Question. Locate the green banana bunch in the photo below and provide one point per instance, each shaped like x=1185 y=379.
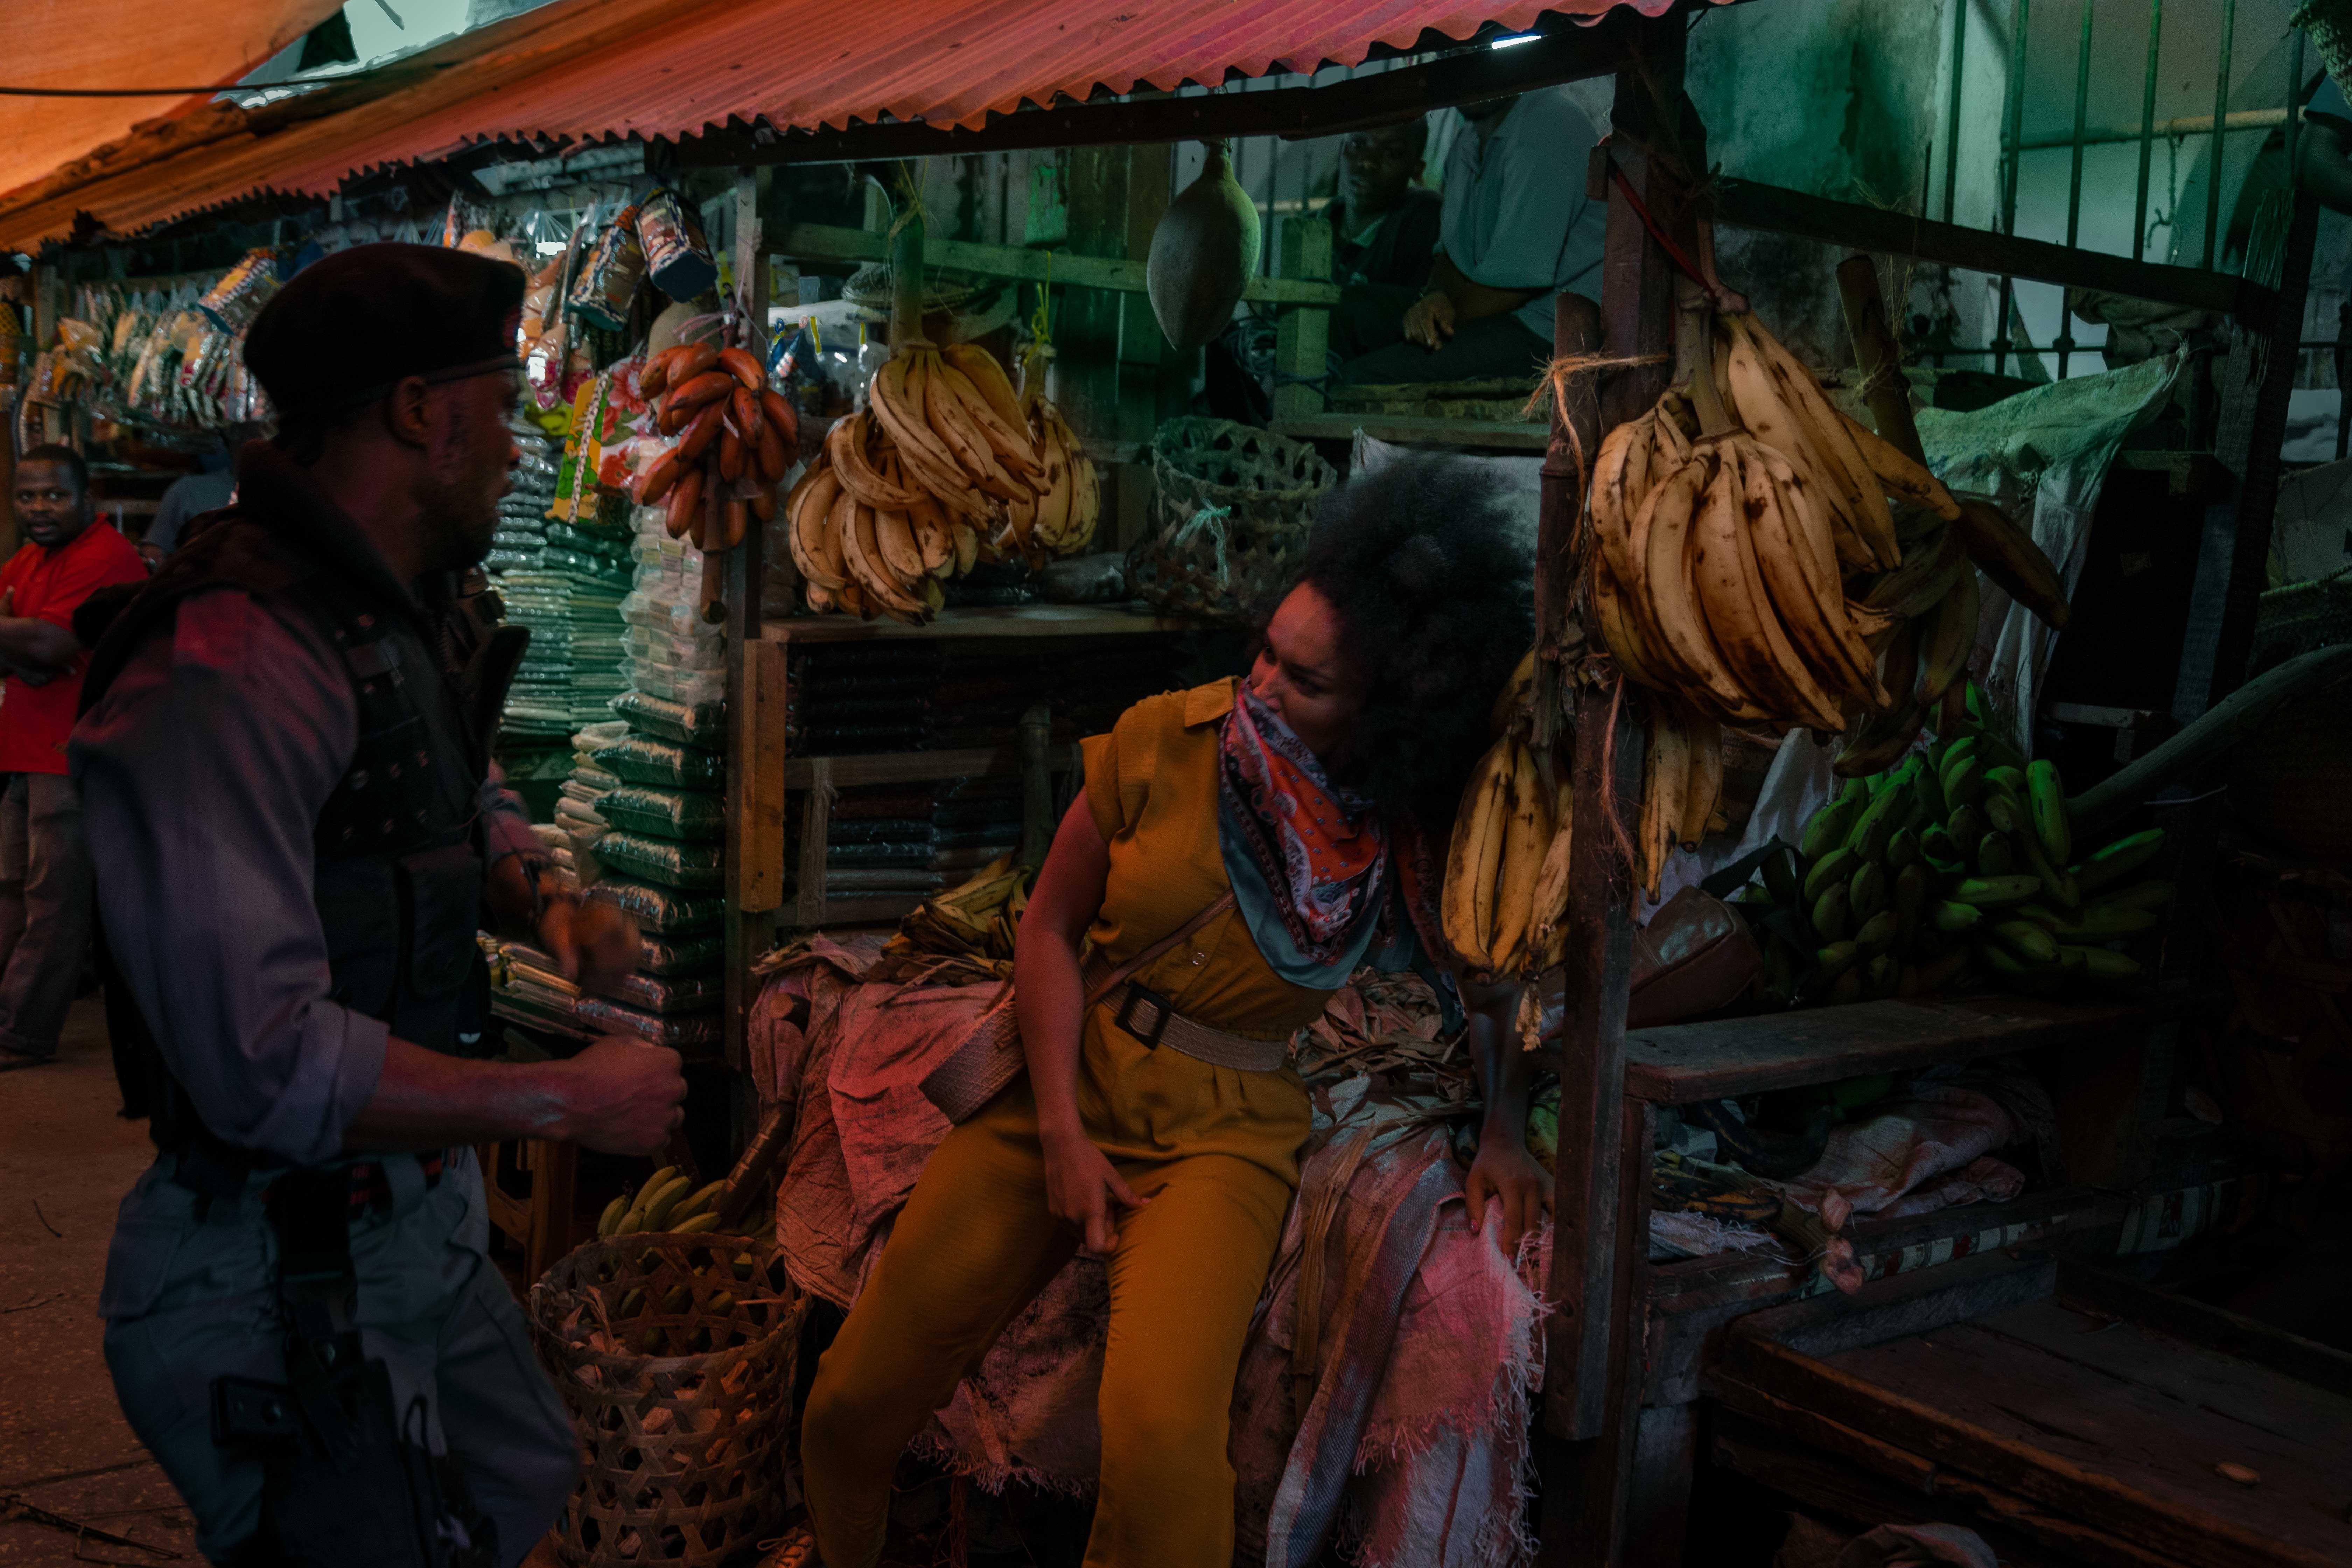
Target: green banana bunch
x=1955 y=861
x=665 y=1204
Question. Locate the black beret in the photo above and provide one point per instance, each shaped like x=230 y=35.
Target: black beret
x=349 y=326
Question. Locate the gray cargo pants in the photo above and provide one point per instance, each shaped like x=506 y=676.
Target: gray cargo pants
x=190 y=1294
x=47 y=900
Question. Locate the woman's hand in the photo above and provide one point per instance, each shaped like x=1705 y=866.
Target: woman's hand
x=1504 y=1169
x=1081 y=1185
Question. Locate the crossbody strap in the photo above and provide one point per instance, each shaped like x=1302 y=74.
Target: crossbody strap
x=1112 y=982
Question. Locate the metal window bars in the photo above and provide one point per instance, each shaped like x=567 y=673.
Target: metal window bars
x=2014 y=145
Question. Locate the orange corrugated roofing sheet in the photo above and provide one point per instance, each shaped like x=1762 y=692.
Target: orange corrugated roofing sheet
x=597 y=68
x=124 y=43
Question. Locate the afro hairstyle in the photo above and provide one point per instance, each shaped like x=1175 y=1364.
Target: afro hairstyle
x=1431 y=573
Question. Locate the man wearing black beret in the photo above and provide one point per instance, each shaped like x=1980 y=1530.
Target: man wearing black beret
x=283 y=757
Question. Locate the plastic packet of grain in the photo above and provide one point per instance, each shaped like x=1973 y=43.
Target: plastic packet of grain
x=696 y=816
x=643 y=759
x=693 y=867
x=683 y=1032
x=664 y=911
x=666 y=956
x=667 y=994
x=702 y=724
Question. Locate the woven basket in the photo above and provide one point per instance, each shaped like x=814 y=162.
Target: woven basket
x=682 y=1451
x=1229 y=516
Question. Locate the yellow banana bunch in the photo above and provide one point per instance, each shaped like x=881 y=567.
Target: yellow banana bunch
x=1505 y=897
x=947 y=466
x=1760 y=554
x=1682 y=788
x=665 y=1204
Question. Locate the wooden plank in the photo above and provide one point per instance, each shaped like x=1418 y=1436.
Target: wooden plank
x=988 y=621
x=2232 y=563
x=2091 y=1289
x=2020 y=1535
x=1118 y=275
x=914 y=767
x=1907 y=1304
x=1302 y=334
x=1657 y=1511
x=1749 y=204
x=554 y=1179
x=1414 y=430
x=2014 y=1420
x=1884 y=1460
x=1683 y=1062
x=816 y=832
x=757 y=776
x=754 y=868
x=1565 y=52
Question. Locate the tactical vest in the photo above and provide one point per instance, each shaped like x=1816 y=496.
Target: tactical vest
x=398 y=875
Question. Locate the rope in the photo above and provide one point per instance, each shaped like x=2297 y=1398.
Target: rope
x=1554 y=385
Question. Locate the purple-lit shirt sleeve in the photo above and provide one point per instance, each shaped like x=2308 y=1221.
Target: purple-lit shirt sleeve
x=202 y=772
x=505 y=828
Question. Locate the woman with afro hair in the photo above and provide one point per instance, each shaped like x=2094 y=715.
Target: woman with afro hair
x=1238 y=850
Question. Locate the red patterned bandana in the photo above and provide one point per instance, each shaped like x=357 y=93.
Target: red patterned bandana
x=1324 y=851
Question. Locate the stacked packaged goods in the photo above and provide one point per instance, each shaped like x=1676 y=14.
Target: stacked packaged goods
x=669 y=650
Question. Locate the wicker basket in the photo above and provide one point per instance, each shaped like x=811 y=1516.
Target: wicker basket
x=683 y=1450
x=1229 y=516
x=2329 y=24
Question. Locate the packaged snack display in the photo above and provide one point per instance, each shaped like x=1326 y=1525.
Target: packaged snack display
x=677 y=257
x=607 y=283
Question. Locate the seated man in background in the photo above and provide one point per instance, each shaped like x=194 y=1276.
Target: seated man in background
x=47 y=896
x=1383 y=235
x=1516 y=228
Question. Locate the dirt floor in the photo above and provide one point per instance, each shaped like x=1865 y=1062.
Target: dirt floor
x=66 y=1160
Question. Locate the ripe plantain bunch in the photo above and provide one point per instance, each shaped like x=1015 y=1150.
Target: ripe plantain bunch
x=1061 y=519
x=736 y=439
x=1505 y=900
x=1752 y=569
x=1957 y=861
x=977 y=919
x=944 y=468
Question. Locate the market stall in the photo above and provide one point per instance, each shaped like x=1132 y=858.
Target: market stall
x=795 y=699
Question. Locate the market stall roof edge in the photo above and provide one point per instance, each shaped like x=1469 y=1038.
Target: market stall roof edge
x=601 y=70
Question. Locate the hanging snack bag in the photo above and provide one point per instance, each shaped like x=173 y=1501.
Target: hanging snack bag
x=677 y=257
x=232 y=303
x=609 y=281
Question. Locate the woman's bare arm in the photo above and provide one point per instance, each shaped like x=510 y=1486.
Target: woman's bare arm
x=1503 y=1168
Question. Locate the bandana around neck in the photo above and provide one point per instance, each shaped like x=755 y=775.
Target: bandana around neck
x=1323 y=851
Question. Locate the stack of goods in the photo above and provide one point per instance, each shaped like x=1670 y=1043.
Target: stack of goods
x=538 y=702
x=919 y=837
x=662 y=858
x=852 y=698
x=1958 y=863
x=165 y=357
x=668 y=649
x=578 y=805
x=1751 y=572
x=947 y=468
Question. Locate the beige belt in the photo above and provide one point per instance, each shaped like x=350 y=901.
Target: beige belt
x=1149 y=1016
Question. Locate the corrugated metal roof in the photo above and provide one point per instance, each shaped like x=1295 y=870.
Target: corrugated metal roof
x=125 y=44
x=597 y=68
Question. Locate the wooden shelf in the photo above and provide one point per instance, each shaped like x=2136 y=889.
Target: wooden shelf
x=1415 y=430
x=1683 y=1062
x=994 y=621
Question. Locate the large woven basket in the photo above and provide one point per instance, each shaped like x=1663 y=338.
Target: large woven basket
x=1229 y=516
x=2329 y=24
x=675 y=1354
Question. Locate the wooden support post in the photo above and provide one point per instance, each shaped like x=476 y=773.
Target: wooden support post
x=1875 y=355
x=752 y=842
x=2233 y=560
x=816 y=829
x=1302 y=334
x=1600 y=1239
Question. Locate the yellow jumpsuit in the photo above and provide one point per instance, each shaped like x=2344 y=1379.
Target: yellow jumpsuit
x=1215 y=1151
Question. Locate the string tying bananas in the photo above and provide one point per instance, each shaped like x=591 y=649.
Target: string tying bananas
x=1504 y=904
x=947 y=466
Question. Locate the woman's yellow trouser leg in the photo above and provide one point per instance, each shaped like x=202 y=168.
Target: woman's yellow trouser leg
x=973 y=1246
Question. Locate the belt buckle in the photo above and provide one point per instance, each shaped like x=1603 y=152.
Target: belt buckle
x=1160 y=1011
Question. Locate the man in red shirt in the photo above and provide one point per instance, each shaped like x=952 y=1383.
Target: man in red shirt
x=45 y=895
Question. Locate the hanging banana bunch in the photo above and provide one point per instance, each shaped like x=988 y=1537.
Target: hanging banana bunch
x=1765 y=561
x=1504 y=901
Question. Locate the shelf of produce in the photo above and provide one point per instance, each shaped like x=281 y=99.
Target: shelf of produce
x=1415 y=430
x=985 y=621
x=1680 y=1063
